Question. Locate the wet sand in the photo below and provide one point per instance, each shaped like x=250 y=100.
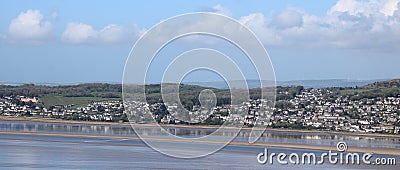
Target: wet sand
x=56 y=152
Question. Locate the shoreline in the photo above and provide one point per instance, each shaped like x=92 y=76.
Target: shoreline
x=50 y=120
x=379 y=151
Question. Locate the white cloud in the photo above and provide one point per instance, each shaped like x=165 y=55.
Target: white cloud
x=80 y=33
x=257 y=23
x=30 y=26
x=353 y=7
x=372 y=7
x=218 y=9
x=292 y=17
x=222 y=10
x=389 y=7
x=114 y=33
x=348 y=24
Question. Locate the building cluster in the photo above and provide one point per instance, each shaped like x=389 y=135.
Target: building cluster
x=96 y=111
x=19 y=106
x=313 y=109
x=247 y=113
x=310 y=109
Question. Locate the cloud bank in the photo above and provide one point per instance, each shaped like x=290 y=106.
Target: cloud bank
x=355 y=24
x=30 y=26
x=80 y=33
x=348 y=24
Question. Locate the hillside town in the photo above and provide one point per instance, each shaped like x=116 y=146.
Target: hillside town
x=309 y=109
x=96 y=111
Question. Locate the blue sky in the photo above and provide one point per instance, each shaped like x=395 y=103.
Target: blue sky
x=89 y=41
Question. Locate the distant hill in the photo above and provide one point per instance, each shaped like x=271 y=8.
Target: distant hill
x=328 y=83
x=251 y=83
x=235 y=84
x=304 y=83
x=388 y=88
x=85 y=93
x=57 y=84
x=395 y=83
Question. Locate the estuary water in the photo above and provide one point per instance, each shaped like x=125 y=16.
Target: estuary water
x=309 y=138
x=34 y=151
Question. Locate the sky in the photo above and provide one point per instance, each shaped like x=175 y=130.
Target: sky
x=89 y=41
